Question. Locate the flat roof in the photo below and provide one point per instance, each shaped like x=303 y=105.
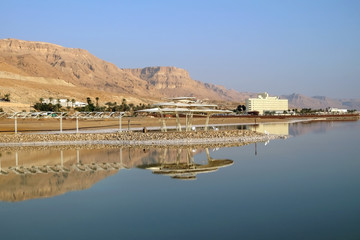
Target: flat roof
x=179 y=104
x=183 y=110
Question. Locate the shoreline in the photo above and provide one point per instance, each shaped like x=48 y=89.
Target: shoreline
x=203 y=138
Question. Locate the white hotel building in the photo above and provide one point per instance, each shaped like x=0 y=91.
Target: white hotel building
x=264 y=103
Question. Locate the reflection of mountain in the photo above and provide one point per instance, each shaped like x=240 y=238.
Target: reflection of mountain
x=14 y=187
x=47 y=173
x=41 y=174
x=186 y=168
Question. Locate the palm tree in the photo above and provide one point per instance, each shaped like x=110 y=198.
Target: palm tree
x=51 y=99
x=73 y=101
x=97 y=101
x=41 y=100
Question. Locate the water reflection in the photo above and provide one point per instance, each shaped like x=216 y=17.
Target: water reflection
x=294 y=128
x=40 y=174
x=301 y=128
x=271 y=128
x=185 y=168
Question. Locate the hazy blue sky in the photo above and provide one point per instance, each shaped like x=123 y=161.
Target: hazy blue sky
x=309 y=47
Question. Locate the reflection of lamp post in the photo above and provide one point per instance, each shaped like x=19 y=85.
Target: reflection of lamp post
x=77 y=156
x=120 y=153
x=255 y=149
x=62 y=158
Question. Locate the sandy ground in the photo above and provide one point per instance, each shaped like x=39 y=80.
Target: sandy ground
x=31 y=125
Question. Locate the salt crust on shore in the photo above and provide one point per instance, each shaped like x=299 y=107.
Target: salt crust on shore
x=137 y=139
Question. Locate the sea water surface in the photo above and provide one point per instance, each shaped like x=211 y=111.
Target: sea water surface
x=303 y=187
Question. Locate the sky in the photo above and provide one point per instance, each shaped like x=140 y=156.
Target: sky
x=282 y=47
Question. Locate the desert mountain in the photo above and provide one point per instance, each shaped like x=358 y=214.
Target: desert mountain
x=65 y=72
x=33 y=70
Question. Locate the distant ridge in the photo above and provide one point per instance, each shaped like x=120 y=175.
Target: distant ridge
x=320 y=102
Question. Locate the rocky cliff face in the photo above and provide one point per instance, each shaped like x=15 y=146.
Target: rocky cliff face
x=75 y=66
x=175 y=82
x=162 y=77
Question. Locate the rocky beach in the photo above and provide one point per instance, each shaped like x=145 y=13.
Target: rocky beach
x=136 y=138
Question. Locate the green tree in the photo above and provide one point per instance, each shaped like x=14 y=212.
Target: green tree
x=88 y=100
x=90 y=107
x=7 y=97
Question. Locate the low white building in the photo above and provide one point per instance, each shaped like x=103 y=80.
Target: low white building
x=337 y=110
x=265 y=103
x=65 y=102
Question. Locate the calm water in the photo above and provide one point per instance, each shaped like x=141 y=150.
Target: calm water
x=304 y=187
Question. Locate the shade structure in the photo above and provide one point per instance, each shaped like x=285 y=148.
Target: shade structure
x=185 y=106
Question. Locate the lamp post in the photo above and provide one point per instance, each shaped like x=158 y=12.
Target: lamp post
x=15 y=124
x=61 y=123
x=120 y=117
x=77 y=124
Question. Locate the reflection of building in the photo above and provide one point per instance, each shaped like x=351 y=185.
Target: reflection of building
x=187 y=169
x=271 y=128
x=264 y=103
